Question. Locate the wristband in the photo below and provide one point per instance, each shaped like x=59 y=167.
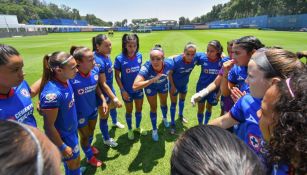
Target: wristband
x=62 y=147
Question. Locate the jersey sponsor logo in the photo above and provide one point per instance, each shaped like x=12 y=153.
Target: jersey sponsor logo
x=25 y=92
x=211 y=71
x=186 y=70
x=87 y=89
x=24 y=113
x=76 y=82
x=148 y=91
x=51 y=97
x=96 y=77
x=254 y=141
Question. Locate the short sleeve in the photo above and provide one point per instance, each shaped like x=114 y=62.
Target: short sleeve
x=50 y=100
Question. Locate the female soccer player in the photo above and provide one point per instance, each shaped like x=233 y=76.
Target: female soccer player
x=179 y=79
x=283 y=124
x=57 y=105
x=15 y=93
x=236 y=70
x=153 y=77
x=127 y=66
x=266 y=67
x=102 y=49
x=85 y=86
x=210 y=67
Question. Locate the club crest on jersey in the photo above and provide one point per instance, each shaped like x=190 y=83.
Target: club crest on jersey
x=110 y=70
x=51 y=97
x=96 y=77
x=128 y=70
x=254 y=141
x=143 y=69
x=82 y=120
x=25 y=92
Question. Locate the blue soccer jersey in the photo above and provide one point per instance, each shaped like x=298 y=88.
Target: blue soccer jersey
x=161 y=86
x=105 y=66
x=182 y=72
x=17 y=105
x=237 y=75
x=84 y=87
x=129 y=68
x=209 y=71
x=248 y=130
x=61 y=96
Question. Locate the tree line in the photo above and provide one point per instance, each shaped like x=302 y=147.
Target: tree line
x=26 y=10
x=249 y=8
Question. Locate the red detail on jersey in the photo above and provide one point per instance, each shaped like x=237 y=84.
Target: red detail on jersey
x=9 y=94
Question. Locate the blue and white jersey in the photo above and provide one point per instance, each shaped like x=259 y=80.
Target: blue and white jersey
x=84 y=87
x=209 y=71
x=237 y=75
x=182 y=70
x=129 y=68
x=248 y=130
x=105 y=66
x=148 y=72
x=60 y=96
x=17 y=105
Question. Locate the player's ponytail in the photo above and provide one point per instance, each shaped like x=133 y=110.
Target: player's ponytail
x=47 y=72
x=97 y=40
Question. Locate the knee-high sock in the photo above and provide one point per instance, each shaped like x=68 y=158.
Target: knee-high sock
x=88 y=151
x=200 y=117
x=113 y=114
x=138 y=119
x=129 y=120
x=104 y=129
x=181 y=106
x=164 y=111
x=207 y=116
x=173 y=113
x=153 y=118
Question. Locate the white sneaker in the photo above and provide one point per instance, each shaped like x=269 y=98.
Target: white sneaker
x=119 y=125
x=111 y=143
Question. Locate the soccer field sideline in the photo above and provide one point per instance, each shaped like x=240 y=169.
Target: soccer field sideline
x=143 y=155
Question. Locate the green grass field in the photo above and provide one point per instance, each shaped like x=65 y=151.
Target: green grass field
x=142 y=155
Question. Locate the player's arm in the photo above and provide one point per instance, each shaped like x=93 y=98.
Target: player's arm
x=171 y=81
x=140 y=82
x=103 y=84
x=35 y=87
x=225 y=121
x=103 y=99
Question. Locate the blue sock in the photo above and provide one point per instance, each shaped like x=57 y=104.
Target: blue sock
x=90 y=139
x=113 y=114
x=75 y=172
x=88 y=152
x=104 y=128
x=129 y=120
x=200 y=117
x=207 y=117
x=153 y=118
x=164 y=111
x=181 y=106
x=66 y=169
x=173 y=113
x=138 y=119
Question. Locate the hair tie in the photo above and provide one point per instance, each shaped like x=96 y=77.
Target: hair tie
x=289 y=88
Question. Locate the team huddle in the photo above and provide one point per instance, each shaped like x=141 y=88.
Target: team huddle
x=77 y=87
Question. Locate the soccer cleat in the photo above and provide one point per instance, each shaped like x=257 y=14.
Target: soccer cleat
x=141 y=131
x=95 y=162
x=119 y=125
x=183 y=120
x=130 y=135
x=155 y=136
x=173 y=130
x=166 y=123
x=95 y=150
x=111 y=143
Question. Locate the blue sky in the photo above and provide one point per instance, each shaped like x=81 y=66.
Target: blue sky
x=117 y=10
